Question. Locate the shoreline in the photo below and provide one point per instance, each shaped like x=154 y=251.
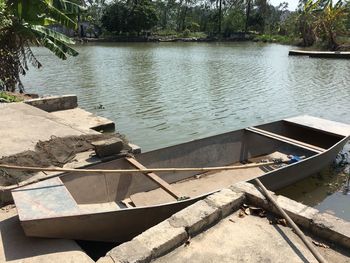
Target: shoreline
x=271 y=39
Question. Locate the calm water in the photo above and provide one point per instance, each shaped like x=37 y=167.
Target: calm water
x=164 y=94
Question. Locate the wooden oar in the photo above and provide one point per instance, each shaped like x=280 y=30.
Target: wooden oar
x=145 y=170
x=297 y=230
x=127 y=171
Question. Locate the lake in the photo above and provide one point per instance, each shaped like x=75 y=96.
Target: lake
x=161 y=94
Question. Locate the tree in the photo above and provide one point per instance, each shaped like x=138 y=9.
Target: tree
x=324 y=20
x=24 y=24
x=142 y=16
x=114 y=18
x=133 y=16
x=306 y=20
x=330 y=22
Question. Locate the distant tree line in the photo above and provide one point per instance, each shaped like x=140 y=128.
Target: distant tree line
x=314 y=20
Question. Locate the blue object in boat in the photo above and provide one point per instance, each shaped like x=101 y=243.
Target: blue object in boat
x=294 y=159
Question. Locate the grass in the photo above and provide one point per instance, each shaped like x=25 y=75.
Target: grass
x=9 y=97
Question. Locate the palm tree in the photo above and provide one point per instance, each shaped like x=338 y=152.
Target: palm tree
x=25 y=23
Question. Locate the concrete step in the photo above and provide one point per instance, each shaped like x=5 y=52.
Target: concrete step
x=83 y=120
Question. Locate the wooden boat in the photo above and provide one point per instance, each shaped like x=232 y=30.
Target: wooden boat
x=116 y=207
x=320 y=54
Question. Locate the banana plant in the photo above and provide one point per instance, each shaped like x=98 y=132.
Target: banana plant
x=27 y=25
x=305 y=19
x=330 y=22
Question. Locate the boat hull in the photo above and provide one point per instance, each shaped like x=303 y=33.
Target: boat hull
x=116 y=226
x=293 y=173
x=122 y=225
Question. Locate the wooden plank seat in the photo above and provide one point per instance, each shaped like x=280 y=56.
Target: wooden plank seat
x=206 y=182
x=281 y=138
x=155 y=178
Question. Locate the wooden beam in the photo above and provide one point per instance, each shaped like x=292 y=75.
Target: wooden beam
x=155 y=178
x=281 y=138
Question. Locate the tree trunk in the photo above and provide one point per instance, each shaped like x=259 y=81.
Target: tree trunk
x=247 y=15
x=220 y=16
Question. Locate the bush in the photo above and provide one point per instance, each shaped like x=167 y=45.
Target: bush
x=186 y=33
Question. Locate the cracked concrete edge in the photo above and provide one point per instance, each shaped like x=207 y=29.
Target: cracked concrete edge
x=323 y=225
x=54 y=103
x=175 y=231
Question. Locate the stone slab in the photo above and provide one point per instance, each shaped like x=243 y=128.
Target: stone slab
x=247 y=239
x=54 y=103
x=104 y=148
x=331 y=228
x=162 y=238
x=133 y=251
x=324 y=225
x=226 y=201
x=22 y=126
x=83 y=120
x=234 y=238
x=17 y=248
x=196 y=217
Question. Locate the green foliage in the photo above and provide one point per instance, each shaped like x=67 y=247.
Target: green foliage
x=8 y=97
x=24 y=23
x=186 y=32
x=234 y=21
x=137 y=16
x=323 y=19
x=330 y=22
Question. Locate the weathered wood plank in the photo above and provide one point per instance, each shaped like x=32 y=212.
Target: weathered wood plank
x=155 y=178
x=286 y=140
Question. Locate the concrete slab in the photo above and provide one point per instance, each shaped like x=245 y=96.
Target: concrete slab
x=16 y=247
x=83 y=120
x=22 y=126
x=54 y=103
x=247 y=239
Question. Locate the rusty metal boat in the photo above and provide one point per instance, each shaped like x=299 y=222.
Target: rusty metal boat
x=115 y=207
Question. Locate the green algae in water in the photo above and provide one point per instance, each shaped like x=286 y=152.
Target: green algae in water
x=324 y=191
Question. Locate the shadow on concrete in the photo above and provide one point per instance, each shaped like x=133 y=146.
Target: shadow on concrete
x=291 y=244
x=16 y=246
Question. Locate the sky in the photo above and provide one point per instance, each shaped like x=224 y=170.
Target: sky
x=292 y=4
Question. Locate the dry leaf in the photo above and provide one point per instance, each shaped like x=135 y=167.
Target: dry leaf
x=282 y=222
x=241 y=214
x=319 y=244
x=188 y=242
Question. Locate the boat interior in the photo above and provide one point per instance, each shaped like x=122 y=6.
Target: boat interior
x=108 y=192
x=90 y=193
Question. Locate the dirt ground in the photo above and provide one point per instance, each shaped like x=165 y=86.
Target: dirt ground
x=55 y=152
